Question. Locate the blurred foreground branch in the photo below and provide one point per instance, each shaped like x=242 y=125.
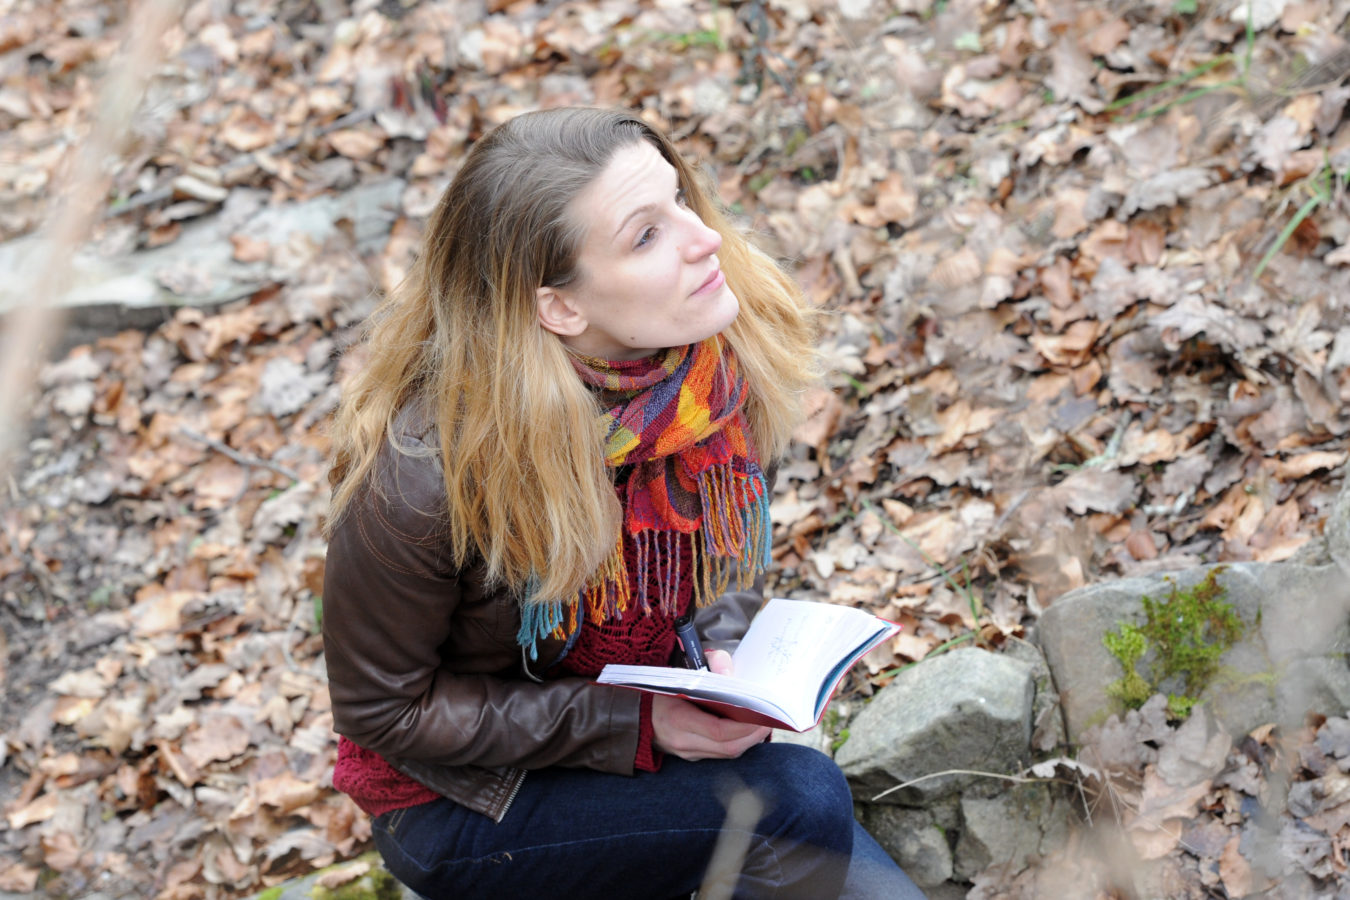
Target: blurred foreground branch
x=29 y=328
x=744 y=811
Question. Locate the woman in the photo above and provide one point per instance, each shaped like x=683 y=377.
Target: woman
x=553 y=451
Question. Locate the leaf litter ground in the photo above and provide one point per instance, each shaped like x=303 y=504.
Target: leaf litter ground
x=1085 y=273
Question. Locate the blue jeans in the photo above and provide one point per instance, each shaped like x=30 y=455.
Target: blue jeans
x=577 y=833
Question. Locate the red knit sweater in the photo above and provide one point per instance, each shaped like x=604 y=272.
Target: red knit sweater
x=635 y=639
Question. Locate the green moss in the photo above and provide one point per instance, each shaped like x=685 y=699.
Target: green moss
x=1229 y=675
x=1179 y=706
x=1186 y=632
x=271 y=893
x=1128 y=646
x=377 y=884
x=839 y=741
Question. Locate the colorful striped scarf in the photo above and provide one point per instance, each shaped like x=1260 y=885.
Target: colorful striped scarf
x=696 y=486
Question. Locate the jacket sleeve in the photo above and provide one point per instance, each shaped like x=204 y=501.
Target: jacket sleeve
x=390 y=598
x=723 y=623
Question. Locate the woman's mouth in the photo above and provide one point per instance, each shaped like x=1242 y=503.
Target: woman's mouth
x=711 y=283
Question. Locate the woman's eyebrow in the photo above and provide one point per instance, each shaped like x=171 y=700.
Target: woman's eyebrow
x=644 y=208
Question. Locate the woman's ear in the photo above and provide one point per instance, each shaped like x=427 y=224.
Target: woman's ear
x=558 y=313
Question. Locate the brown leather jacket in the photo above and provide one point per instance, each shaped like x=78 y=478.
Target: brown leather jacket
x=423 y=663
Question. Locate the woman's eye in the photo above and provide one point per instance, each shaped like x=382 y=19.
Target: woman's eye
x=647 y=235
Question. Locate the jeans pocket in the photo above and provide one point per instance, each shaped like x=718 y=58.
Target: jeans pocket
x=391 y=820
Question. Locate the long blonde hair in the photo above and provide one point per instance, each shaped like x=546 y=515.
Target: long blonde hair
x=526 y=485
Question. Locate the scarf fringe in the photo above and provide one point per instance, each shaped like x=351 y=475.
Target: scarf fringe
x=689 y=407
x=663 y=550
x=538 y=620
x=607 y=594
x=732 y=546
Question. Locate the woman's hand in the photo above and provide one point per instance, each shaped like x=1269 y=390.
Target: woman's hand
x=681 y=728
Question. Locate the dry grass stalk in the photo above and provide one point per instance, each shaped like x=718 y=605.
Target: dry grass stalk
x=30 y=328
x=743 y=812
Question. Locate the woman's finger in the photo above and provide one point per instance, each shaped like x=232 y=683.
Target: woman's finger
x=691 y=733
x=719 y=661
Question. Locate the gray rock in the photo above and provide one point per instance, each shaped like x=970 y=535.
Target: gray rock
x=965 y=709
x=1291 y=661
x=1047 y=721
x=833 y=725
x=1321 y=684
x=817 y=738
x=1337 y=528
x=106 y=292
x=948 y=891
x=1022 y=822
x=914 y=839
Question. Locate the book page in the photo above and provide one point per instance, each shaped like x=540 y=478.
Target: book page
x=701 y=684
x=788 y=664
x=796 y=644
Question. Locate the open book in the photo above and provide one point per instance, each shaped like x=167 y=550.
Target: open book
x=787 y=666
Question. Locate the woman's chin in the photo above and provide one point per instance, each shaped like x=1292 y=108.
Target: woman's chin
x=729 y=309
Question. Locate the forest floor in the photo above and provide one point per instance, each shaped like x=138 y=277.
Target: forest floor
x=1086 y=270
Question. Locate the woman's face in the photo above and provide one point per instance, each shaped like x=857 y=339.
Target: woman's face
x=647 y=272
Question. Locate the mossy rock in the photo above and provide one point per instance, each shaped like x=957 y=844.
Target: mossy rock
x=1290 y=659
x=1184 y=635
x=374 y=884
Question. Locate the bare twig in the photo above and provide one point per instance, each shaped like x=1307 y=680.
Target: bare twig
x=244 y=459
x=31 y=327
x=291 y=628
x=733 y=843
x=1023 y=778
x=1082 y=797
x=1016 y=779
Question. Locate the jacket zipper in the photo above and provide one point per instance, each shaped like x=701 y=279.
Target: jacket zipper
x=510 y=798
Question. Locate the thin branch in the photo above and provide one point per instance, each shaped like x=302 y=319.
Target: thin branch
x=1016 y=779
x=291 y=629
x=733 y=845
x=244 y=459
x=1082 y=796
x=1022 y=778
x=31 y=327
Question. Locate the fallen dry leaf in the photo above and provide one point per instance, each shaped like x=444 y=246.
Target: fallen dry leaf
x=39 y=810
x=356 y=144
x=286 y=792
x=1004 y=266
x=336 y=878
x=61 y=850
x=823 y=409
x=1155 y=838
x=19 y=878
x=1234 y=870
x=219 y=738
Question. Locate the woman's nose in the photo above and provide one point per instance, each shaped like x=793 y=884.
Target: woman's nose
x=702 y=241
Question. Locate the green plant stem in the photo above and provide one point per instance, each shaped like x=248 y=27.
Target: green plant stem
x=947 y=576
x=1122 y=102
x=1303 y=212
x=1239 y=81
x=1251 y=40
x=1188 y=97
x=940 y=648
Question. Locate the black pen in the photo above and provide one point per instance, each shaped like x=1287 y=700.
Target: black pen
x=689 y=642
